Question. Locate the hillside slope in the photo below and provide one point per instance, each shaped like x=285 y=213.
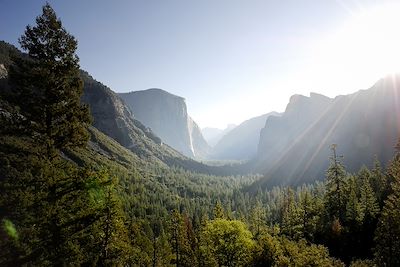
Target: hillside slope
x=112 y=117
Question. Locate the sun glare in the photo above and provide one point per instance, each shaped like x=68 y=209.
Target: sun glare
x=367 y=46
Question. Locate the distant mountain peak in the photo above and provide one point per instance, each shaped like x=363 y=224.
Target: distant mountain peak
x=318 y=96
x=296 y=101
x=155 y=91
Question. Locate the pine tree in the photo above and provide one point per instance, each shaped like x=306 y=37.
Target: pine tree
x=44 y=196
x=308 y=213
x=218 y=212
x=379 y=182
x=387 y=249
x=142 y=250
x=354 y=216
x=180 y=242
x=112 y=235
x=368 y=202
x=336 y=188
x=47 y=86
x=258 y=219
x=50 y=207
x=291 y=220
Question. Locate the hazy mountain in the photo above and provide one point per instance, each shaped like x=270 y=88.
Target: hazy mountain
x=241 y=142
x=213 y=135
x=294 y=148
x=166 y=114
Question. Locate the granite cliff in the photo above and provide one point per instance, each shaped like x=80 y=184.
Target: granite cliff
x=166 y=115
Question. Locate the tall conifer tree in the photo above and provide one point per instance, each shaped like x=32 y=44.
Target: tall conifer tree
x=48 y=87
x=336 y=188
x=387 y=250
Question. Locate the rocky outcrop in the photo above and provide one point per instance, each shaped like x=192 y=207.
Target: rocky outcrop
x=3 y=72
x=166 y=115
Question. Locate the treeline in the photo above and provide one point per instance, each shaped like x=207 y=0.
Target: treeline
x=60 y=207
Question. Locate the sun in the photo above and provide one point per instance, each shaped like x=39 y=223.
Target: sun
x=374 y=39
x=366 y=47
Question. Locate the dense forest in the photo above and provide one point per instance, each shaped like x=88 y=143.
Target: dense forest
x=71 y=195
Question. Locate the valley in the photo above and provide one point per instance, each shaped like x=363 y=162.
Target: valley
x=92 y=176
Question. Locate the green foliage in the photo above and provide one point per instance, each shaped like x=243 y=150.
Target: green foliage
x=309 y=209
x=280 y=251
x=111 y=235
x=228 y=243
x=49 y=206
x=369 y=207
x=362 y=263
x=258 y=218
x=379 y=182
x=387 y=250
x=218 y=211
x=49 y=87
x=10 y=229
x=182 y=240
x=354 y=215
x=336 y=188
x=103 y=205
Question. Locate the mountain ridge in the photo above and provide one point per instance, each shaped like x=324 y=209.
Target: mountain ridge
x=363 y=124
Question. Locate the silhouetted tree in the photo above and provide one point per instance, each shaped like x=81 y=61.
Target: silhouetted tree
x=47 y=86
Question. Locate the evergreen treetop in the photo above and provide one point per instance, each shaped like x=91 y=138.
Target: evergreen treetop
x=48 y=85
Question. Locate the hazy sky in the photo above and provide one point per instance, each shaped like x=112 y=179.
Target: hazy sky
x=230 y=59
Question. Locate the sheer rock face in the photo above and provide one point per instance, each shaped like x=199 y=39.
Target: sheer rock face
x=166 y=115
x=294 y=148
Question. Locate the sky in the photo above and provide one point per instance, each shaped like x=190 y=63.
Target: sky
x=230 y=59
